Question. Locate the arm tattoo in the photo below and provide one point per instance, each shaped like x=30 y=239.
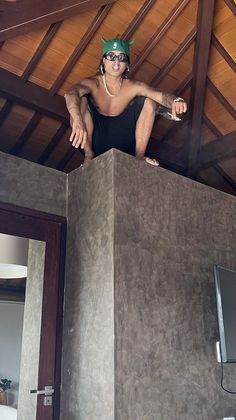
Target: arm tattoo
x=167 y=99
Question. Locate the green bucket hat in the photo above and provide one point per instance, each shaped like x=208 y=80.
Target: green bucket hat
x=116 y=44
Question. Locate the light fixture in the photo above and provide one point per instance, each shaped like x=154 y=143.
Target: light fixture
x=13 y=256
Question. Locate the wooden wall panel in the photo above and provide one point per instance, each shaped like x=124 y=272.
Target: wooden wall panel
x=39 y=138
x=13 y=126
x=60 y=49
x=17 y=52
x=218 y=114
x=223 y=77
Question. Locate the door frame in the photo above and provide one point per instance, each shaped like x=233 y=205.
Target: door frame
x=50 y=228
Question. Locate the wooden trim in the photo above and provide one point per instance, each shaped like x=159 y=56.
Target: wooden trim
x=51 y=32
x=138 y=19
x=25 y=15
x=223 y=52
x=50 y=228
x=174 y=58
x=31 y=126
x=221 y=98
x=217 y=150
x=53 y=143
x=159 y=34
x=32 y=96
x=231 y=5
x=92 y=29
x=200 y=68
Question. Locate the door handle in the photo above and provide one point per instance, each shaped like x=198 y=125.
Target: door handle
x=48 y=390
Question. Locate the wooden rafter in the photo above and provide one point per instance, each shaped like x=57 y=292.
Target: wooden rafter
x=97 y=21
x=224 y=53
x=231 y=4
x=200 y=67
x=53 y=143
x=26 y=15
x=5 y=111
x=31 y=126
x=159 y=34
x=217 y=150
x=32 y=96
x=137 y=19
x=68 y=156
x=211 y=126
x=174 y=58
x=221 y=98
x=166 y=153
x=51 y=32
x=224 y=175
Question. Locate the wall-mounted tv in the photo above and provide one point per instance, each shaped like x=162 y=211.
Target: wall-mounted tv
x=225 y=284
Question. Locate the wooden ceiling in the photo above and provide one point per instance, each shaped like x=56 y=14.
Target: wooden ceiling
x=186 y=47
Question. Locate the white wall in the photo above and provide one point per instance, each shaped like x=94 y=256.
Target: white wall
x=11 y=326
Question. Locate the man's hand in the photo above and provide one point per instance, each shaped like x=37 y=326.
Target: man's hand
x=79 y=133
x=178 y=107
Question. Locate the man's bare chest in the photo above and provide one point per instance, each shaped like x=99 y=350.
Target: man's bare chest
x=111 y=106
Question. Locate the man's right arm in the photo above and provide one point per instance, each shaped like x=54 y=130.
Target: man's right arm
x=79 y=134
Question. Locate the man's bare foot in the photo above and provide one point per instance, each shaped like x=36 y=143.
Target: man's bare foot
x=153 y=162
x=87 y=159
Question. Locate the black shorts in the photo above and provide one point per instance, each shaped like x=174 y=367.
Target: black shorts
x=115 y=132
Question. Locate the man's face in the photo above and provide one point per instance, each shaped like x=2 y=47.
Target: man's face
x=115 y=62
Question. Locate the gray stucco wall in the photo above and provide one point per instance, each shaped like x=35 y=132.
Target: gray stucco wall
x=30 y=185
x=169 y=231
x=88 y=345
x=142 y=242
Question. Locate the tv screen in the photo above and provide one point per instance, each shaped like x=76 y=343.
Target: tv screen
x=225 y=283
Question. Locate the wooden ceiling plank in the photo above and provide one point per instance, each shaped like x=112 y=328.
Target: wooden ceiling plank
x=223 y=52
x=221 y=98
x=53 y=143
x=174 y=58
x=137 y=19
x=200 y=68
x=92 y=29
x=5 y=111
x=159 y=34
x=217 y=150
x=226 y=177
x=32 y=96
x=211 y=126
x=231 y=4
x=51 y=32
x=31 y=126
x=26 y=15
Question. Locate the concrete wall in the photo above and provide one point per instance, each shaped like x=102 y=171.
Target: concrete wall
x=150 y=237
x=31 y=185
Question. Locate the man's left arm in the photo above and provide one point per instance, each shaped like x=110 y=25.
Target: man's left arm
x=176 y=104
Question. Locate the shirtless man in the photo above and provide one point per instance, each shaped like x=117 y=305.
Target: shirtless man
x=108 y=110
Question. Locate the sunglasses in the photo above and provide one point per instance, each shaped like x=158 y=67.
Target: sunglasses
x=122 y=58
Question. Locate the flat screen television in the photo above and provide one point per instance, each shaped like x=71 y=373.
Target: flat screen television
x=225 y=285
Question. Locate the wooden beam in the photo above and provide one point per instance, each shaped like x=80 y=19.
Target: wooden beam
x=5 y=111
x=223 y=52
x=166 y=154
x=211 y=126
x=200 y=68
x=221 y=98
x=224 y=175
x=52 y=30
x=31 y=126
x=159 y=34
x=137 y=19
x=53 y=143
x=92 y=29
x=68 y=156
x=174 y=58
x=231 y=4
x=217 y=150
x=27 y=15
x=32 y=96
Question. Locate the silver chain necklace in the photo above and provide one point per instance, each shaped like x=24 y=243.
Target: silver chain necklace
x=106 y=88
